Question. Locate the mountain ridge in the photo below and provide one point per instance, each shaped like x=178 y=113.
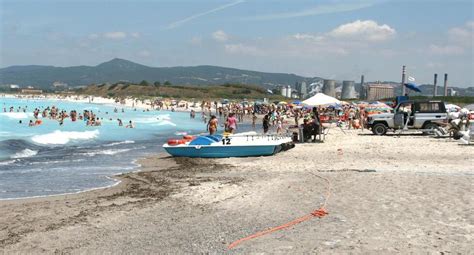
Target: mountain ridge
x=118 y=69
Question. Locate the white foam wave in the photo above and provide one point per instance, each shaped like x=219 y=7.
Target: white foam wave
x=118 y=143
x=64 y=137
x=24 y=154
x=106 y=152
x=163 y=117
x=166 y=123
x=6 y=163
x=180 y=133
x=17 y=115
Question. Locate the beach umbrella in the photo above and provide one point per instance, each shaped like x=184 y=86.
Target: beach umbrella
x=470 y=107
x=413 y=87
x=320 y=99
x=282 y=103
x=296 y=102
x=452 y=107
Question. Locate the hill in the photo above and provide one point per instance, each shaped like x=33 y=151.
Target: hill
x=117 y=70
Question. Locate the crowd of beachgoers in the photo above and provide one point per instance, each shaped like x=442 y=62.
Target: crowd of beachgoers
x=217 y=116
x=278 y=118
x=54 y=113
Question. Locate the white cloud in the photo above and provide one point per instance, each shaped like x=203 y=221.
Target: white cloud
x=470 y=24
x=446 y=50
x=144 y=53
x=220 y=36
x=93 y=36
x=198 y=15
x=311 y=37
x=321 y=9
x=459 y=41
x=242 y=49
x=364 y=30
x=115 y=35
x=196 y=40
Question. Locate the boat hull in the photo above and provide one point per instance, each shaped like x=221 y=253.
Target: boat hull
x=222 y=151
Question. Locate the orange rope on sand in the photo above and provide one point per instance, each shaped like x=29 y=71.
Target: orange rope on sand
x=321 y=212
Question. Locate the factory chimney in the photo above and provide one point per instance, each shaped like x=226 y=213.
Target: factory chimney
x=435 y=87
x=445 y=84
x=361 y=91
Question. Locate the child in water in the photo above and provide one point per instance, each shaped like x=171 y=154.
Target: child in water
x=130 y=125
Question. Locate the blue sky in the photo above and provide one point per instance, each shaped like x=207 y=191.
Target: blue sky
x=329 y=38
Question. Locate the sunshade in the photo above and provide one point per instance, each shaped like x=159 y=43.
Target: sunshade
x=320 y=99
x=413 y=87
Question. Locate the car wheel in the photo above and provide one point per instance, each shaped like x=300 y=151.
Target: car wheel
x=430 y=128
x=379 y=129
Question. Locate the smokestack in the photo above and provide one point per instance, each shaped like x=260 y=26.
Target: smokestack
x=445 y=84
x=329 y=88
x=347 y=90
x=435 y=87
x=361 y=91
x=404 y=72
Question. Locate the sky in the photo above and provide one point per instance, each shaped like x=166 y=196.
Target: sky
x=337 y=39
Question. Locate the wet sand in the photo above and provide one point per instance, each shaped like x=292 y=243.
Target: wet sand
x=407 y=194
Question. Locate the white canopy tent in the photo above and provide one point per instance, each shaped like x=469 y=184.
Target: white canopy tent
x=320 y=99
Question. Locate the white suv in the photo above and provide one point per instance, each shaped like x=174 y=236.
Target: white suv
x=423 y=115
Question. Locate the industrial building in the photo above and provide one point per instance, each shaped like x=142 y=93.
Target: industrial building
x=301 y=90
x=329 y=88
x=286 y=91
x=376 y=91
x=348 y=90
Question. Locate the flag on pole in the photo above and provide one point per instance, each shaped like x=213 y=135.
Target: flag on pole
x=269 y=91
x=411 y=79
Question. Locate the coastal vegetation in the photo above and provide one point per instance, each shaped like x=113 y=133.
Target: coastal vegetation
x=156 y=89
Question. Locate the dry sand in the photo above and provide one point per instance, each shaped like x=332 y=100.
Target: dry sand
x=407 y=194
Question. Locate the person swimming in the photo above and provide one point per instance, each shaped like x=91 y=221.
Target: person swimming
x=130 y=125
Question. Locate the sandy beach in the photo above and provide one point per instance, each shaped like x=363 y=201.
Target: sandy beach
x=389 y=194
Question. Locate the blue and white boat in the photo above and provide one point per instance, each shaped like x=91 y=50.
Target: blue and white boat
x=224 y=146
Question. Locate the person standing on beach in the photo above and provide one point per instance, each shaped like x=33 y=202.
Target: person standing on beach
x=212 y=125
x=316 y=122
x=279 y=125
x=231 y=123
x=266 y=123
x=254 y=119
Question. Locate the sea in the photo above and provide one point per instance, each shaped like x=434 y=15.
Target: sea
x=51 y=159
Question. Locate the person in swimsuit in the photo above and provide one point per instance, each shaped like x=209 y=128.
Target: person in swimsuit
x=212 y=125
x=232 y=123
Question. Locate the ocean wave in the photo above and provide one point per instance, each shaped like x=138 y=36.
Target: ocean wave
x=163 y=117
x=119 y=143
x=106 y=152
x=147 y=120
x=63 y=137
x=17 y=115
x=8 y=162
x=154 y=119
x=166 y=123
x=24 y=154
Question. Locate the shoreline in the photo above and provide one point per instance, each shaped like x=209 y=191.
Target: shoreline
x=136 y=167
x=129 y=102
